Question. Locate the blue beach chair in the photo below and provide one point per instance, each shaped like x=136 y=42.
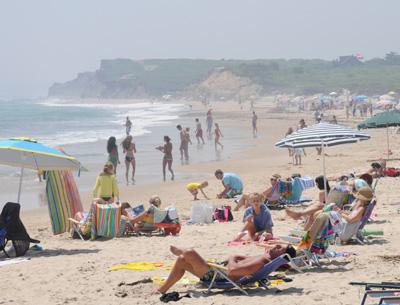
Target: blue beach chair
x=259 y=276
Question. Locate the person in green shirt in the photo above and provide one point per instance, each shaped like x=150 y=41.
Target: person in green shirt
x=106 y=184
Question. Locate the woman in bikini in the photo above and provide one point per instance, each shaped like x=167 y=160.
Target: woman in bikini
x=112 y=150
x=167 y=159
x=218 y=135
x=129 y=149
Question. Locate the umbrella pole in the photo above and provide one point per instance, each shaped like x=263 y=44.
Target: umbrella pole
x=20 y=184
x=324 y=171
x=387 y=140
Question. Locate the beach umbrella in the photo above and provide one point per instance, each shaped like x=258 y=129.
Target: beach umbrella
x=383 y=120
x=27 y=153
x=322 y=135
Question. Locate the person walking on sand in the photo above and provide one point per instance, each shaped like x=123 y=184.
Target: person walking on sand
x=107 y=184
x=167 y=159
x=129 y=149
x=199 y=132
x=112 y=150
x=184 y=147
x=209 y=120
x=218 y=135
x=128 y=126
x=254 y=119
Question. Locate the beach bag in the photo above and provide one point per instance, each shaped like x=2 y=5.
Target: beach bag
x=223 y=214
x=392 y=172
x=201 y=212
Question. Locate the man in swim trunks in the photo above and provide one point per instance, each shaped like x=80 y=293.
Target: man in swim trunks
x=232 y=183
x=238 y=265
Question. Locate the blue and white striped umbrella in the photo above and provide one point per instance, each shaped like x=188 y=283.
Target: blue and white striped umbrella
x=322 y=134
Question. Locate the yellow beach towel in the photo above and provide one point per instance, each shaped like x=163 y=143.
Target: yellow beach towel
x=142 y=266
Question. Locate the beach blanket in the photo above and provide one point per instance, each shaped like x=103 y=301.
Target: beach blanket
x=13 y=261
x=306 y=182
x=142 y=266
x=107 y=220
x=63 y=200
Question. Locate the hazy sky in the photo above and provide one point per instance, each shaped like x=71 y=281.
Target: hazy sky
x=45 y=41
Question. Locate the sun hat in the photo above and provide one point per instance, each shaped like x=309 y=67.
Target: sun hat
x=359 y=184
x=364 y=193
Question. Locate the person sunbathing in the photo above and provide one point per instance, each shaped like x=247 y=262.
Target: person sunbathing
x=257 y=220
x=315 y=207
x=145 y=220
x=237 y=266
x=271 y=194
x=346 y=223
x=377 y=169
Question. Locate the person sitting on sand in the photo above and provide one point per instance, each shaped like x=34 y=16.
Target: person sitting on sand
x=346 y=222
x=107 y=184
x=257 y=219
x=194 y=187
x=312 y=209
x=232 y=183
x=145 y=220
x=271 y=194
x=237 y=266
x=377 y=169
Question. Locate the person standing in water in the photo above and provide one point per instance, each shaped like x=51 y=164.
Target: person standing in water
x=112 y=150
x=254 y=123
x=184 y=147
x=128 y=126
x=129 y=149
x=199 y=132
x=218 y=135
x=167 y=159
x=209 y=120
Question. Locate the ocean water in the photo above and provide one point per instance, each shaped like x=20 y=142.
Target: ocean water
x=82 y=130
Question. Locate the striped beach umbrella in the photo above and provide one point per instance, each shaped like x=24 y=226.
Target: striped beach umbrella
x=322 y=135
x=28 y=153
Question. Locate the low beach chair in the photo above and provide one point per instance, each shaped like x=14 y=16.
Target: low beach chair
x=388 y=293
x=260 y=276
x=368 y=212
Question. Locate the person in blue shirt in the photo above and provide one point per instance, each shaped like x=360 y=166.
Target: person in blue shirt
x=232 y=183
x=257 y=220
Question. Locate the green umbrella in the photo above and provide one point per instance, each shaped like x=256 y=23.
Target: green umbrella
x=383 y=120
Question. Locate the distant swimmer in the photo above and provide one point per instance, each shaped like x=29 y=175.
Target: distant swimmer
x=218 y=135
x=167 y=159
x=128 y=126
x=254 y=119
x=199 y=132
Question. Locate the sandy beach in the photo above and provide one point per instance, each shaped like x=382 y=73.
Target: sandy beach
x=71 y=271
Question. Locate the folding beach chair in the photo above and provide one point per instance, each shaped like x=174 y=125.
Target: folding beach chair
x=388 y=293
x=106 y=222
x=260 y=276
x=359 y=236
x=12 y=229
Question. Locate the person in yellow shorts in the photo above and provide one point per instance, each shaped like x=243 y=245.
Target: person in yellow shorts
x=194 y=188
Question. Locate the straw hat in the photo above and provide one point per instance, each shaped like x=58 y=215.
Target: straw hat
x=364 y=193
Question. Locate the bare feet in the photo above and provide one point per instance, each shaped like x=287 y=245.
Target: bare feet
x=175 y=250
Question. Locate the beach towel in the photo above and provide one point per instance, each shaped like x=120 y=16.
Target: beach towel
x=13 y=261
x=142 y=266
x=63 y=200
x=107 y=220
x=306 y=182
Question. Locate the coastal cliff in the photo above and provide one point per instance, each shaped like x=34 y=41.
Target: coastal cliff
x=125 y=78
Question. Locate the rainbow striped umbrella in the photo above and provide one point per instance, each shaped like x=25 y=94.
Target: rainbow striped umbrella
x=28 y=153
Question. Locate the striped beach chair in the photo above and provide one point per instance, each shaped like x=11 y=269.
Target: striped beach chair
x=107 y=220
x=63 y=200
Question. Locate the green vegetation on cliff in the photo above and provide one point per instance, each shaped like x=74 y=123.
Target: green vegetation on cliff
x=156 y=77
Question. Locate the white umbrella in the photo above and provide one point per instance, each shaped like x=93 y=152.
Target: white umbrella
x=322 y=135
x=27 y=153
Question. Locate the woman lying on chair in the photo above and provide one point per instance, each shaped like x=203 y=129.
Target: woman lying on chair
x=237 y=267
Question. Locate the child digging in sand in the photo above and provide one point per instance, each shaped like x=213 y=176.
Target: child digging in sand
x=194 y=188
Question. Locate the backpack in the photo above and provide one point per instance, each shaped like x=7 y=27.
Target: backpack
x=223 y=214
